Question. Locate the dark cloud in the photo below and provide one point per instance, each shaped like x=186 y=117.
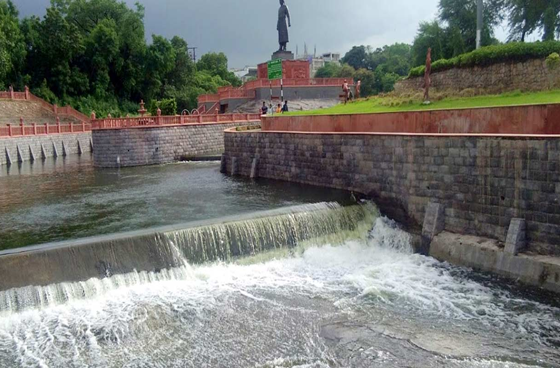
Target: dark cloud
x=246 y=30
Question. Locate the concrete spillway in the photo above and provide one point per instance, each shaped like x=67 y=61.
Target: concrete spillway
x=166 y=248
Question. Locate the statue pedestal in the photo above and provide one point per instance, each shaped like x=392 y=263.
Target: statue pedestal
x=284 y=55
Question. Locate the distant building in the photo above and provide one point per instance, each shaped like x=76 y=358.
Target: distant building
x=317 y=62
x=249 y=72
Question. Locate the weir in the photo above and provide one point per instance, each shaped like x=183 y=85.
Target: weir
x=165 y=253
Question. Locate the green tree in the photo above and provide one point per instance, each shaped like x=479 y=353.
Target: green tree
x=462 y=14
x=12 y=46
x=217 y=64
x=368 y=86
x=330 y=70
x=357 y=57
x=429 y=35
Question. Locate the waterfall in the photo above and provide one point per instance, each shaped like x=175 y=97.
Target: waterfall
x=317 y=224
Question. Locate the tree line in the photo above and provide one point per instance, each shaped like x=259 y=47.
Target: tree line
x=93 y=55
x=451 y=34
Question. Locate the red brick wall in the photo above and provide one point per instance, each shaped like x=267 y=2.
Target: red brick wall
x=292 y=69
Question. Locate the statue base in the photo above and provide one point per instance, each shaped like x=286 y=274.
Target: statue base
x=284 y=55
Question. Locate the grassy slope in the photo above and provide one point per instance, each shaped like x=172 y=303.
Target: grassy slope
x=383 y=104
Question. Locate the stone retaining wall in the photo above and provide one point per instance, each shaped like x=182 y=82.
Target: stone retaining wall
x=158 y=145
x=532 y=75
x=43 y=146
x=483 y=182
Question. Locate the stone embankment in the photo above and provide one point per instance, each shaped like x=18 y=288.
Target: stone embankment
x=481 y=184
x=35 y=147
x=532 y=75
x=159 y=145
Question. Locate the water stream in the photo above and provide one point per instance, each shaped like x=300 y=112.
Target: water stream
x=359 y=299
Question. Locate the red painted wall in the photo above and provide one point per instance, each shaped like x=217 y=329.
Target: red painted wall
x=292 y=69
x=537 y=119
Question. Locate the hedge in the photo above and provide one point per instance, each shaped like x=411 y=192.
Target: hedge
x=515 y=51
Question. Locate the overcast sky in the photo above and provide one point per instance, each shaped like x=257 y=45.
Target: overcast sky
x=245 y=30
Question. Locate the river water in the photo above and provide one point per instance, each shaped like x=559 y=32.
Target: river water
x=360 y=300
x=61 y=199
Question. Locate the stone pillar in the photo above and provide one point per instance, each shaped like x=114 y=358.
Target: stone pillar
x=47 y=128
x=223 y=165
x=234 y=166
x=516 y=237
x=34 y=129
x=434 y=223
x=26 y=93
x=9 y=129
x=55 y=109
x=255 y=168
x=57 y=124
x=11 y=93
x=22 y=126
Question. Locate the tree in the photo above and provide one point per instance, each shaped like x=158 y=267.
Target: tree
x=357 y=57
x=462 y=14
x=429 y=35
x=12 y=46
x=330 y=70
x=217 y=64
x=367 y=77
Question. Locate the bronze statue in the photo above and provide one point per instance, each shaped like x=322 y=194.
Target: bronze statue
x=283 y=37
x=427 y=76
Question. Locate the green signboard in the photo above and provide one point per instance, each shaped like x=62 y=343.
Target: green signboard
x=275 y=69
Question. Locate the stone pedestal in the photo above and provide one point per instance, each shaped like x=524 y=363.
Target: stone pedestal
x=516 y=237
x=284 y=55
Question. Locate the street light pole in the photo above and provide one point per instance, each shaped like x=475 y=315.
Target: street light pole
x=479 y=21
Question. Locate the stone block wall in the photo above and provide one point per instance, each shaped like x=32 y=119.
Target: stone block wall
x=483 y=182
x=532 y=75
x=9 y=146
x=158 y=145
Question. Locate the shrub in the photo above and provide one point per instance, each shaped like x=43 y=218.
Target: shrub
x=168 y=107
x=514 y=51
x=553 y=61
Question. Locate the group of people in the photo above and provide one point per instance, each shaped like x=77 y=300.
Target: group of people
x=265 y=110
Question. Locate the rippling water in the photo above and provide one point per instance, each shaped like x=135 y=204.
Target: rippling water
x=67 y=198
x=370 y=303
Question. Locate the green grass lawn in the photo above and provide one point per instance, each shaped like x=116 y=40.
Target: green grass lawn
x=396 y=104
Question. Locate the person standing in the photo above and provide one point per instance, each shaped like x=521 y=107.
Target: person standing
x=279 y=109
x=358 y=88
x=264 y=109
x=285 y=107
x=346 y=91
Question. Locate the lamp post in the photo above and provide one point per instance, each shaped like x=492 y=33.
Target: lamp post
x=479 y=21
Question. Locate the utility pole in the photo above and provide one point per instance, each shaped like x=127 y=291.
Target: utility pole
x=479 y=23
x=193 y=53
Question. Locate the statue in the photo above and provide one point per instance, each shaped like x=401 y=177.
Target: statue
x=427 y=77
x=282 y=27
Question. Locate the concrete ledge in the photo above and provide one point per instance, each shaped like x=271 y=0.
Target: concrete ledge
x=484 y=254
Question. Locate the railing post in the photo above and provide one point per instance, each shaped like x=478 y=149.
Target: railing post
x=26 y=93
x=21 y=126
x=83 y=126
x=200 y=119
x=55 y=109
x=247 y=117
x=182 y=118
x=34 y=129
x=158 y=118
x=57 y=124
x=47 y=128
x=71 y=127
x=11 y=93
x=10 y=130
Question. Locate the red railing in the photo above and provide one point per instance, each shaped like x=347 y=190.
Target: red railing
x=248 y=89
x=62 y=111
x=157 y=121
x=42 y=129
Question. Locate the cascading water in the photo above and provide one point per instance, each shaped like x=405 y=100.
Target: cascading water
x=328 y=287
